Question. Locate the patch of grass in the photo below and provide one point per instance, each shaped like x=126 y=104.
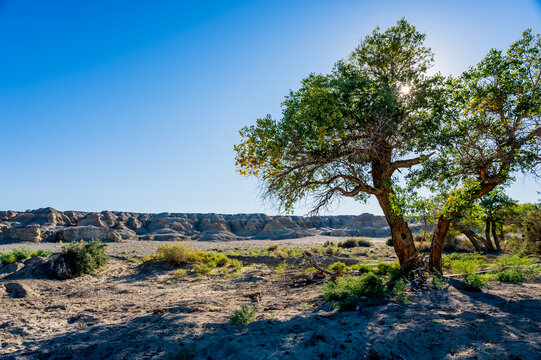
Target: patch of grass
x=281 y=268
x=310 y=270
x=243 y=316
x=85 y=257
x=347 y=292
x=203 y=262
x=180 y=273
x=465 y=263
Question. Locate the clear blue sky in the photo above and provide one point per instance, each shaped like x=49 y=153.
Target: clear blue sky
x=135 y=105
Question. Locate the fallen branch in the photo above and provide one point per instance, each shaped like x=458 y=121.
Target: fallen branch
x=308 y=255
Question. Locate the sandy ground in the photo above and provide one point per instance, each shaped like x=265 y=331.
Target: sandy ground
x=141 y=311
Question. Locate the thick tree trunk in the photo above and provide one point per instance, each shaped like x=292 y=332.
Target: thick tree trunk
x=488 y=242
x=471 y=236
x=436 y=247
x=495 y=236
x=401 y=235
x=442 y=227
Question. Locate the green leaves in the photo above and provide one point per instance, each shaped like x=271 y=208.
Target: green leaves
x=338 y=128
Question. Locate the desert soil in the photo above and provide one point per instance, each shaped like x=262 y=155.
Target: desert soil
x=141 y=311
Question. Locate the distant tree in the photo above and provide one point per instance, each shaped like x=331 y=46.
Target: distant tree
x=348 y=133
x=496 y=208
x=492 y=130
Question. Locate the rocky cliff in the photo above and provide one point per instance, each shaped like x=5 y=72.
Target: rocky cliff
x=52 y=225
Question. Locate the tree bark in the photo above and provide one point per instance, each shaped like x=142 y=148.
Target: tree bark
x=495 y=236
x=488 y=242
x=471 y=236
x=401 y=235
x=442 y=227
x=436 y=246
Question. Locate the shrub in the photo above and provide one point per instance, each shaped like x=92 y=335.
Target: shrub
x=474 y=282
x=389 y=242
x=399 y=292
x=176 y=254
x=243 y=316
x=345 y=294
x=337 y=266
x=332 y=250
x=355 y=242
x=513 y=275
x=329 y=243
x=84 y=258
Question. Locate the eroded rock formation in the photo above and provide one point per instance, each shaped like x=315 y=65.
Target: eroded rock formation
x=49 y=224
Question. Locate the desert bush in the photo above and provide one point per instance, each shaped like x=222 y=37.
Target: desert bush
x=513 y=275
x=329 y=243
x=355 y=242
x=22 y=253
x=176 y=254
x=243 y=316
x=399 y=291
x=337 y=266
x=347 y=292
x=80 y=258
x=272 y=247
x=389 y=242
x=474 y=282
x=332 y=250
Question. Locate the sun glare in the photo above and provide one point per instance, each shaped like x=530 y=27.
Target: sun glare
x=405 y=89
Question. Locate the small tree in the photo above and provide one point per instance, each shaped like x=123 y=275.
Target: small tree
x=492 y=129
x=347 y=133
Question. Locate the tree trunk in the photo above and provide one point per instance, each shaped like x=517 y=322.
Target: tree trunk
x=488 y=242
x=401 y=235
x=471 y=236
x=436 y=246
x=442 y=227
x=495 y=236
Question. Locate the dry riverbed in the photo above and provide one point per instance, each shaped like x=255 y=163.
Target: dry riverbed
x=136 y=310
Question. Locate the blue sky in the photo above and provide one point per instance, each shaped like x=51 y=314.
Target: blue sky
x=136 y=105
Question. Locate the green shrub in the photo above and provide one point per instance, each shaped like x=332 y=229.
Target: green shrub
x=474 y=282
x=243 y=316
x=399 y=291
x=84 y=258
x=345 y=294
x=337 y=266
x=513 y=275
x=364 y=242
x=332 y=250
x=176 y=254
x=21 y=253
x=389 y=242
x=355 y=242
